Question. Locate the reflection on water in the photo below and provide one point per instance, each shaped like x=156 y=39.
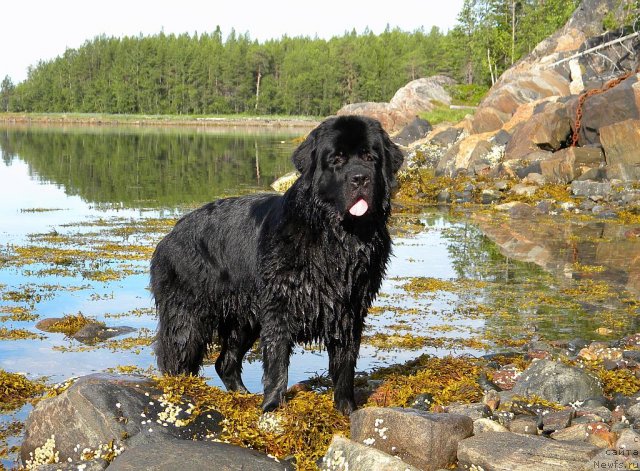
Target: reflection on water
x=82 y=210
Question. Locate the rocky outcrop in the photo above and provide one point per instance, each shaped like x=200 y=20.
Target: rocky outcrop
x=417 y=96
x=527 y=122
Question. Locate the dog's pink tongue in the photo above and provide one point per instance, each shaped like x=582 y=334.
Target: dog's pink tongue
x=359 y=208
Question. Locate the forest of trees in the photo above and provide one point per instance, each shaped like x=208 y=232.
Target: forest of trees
x=209 y=74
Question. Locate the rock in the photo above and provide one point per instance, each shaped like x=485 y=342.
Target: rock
x=590 y=188
x=612 y=106
x=600 y=411
x=416 y=129
x=613 y=459
x=515 y=452
x=521 y=211
x=574 y=433
x=487 y=425
x=557 y=382
x=621 y=143
x=547 y=130
x=415 y=97
x=94 y=332
x=491 y=399
x=633 y=412
x=490 y=196
x=524 y=424
x=464 y=153
x=344 y=454
x=534 y=179
x=283 y=183
x=473 y=411
x=600 y=351
x=557 y=420
x=170 y=454
x=599 y=434
x=422 y=402
x=445 y=137
x=102 y=412
x=628 y=443
x=506 y=376
x=91 y=465
x=568 y=164
x=522 y=189
x=95 y=410
x=422 y=439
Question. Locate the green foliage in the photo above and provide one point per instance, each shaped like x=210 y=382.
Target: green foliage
x=206 y=74
x=469 y=94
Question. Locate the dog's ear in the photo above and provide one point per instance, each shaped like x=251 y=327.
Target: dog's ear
x=394 y=154
x=305 y=153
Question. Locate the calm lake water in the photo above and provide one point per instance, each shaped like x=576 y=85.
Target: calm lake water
x=82 y=208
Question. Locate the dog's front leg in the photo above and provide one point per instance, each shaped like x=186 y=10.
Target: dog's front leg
x=276 y=351
x=342 y=364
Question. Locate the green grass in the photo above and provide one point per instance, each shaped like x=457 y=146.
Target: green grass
x=444 y=114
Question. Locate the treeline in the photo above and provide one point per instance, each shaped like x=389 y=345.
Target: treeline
x=209 y=74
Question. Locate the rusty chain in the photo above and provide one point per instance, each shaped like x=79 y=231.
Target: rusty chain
x=595 y=91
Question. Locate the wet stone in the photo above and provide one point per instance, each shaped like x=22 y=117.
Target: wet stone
x=557 y=420
x=557 y=382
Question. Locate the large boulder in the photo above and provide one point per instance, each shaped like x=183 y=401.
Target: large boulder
x=426 y=440
x=416 y=129
x=621 y=143
x=493 y=451
x=557 y=382
x=165 y=453
x=100 y=414
x=345 y=454
x=417 y=96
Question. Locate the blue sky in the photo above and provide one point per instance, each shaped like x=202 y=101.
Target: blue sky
x=33 y=30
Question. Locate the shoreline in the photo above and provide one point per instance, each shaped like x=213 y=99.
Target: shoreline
x=91 y=119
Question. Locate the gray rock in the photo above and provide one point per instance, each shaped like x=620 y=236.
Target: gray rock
x=557 y=382
x=473 y=411
x=487 y=425
x=93 y=333
x=629 y=442
x=95 y=410
x=447 y=137
x=515 y=452
x=344 y=454
x=416 y=129
x=92 y=465
x=170 y=454
x=524 y=190
x=525 y=424
x=590 y=188
x=425 y=440
x=633 y=412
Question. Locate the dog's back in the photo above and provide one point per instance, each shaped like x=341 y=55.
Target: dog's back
x=203 y=271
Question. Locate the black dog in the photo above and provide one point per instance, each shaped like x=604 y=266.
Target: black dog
x=301 y=267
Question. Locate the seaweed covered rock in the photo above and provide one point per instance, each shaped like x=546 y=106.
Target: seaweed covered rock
x=423 y=439
x=557 y=382
x=97 y=416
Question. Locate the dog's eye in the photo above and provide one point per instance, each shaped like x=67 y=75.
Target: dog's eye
x=339 y=158
x=366 y=155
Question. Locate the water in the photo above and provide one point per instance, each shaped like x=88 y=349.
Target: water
x=82 y=208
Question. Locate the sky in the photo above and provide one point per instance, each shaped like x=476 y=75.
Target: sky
x=35 y=30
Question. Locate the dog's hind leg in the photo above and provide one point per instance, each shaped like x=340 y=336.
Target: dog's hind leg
x=276 y=351
x=182 y=339
x=235 y=344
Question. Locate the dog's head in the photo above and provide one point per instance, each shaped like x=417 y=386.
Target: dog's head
x=350 y=164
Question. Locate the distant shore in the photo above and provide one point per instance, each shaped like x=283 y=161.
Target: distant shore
x=96 y=119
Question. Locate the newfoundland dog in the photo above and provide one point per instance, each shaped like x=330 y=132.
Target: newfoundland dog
x=301 y=267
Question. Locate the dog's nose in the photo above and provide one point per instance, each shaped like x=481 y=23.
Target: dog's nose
x=359 y=180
